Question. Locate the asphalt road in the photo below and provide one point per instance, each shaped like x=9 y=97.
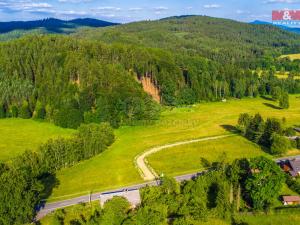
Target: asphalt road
x=50 y=207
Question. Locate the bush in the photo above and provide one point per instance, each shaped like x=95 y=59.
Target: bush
x=68 y=117
x=2 y=111
x=95 y=138
x=24 y=111
x=284 y=101
x=13 y=111
x=298 y=143
x=280 y=144
x=39 y=111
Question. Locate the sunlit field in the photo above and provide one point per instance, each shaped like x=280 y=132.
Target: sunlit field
x=115 y=167
x=18 y=135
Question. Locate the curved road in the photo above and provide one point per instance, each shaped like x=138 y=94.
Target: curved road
x=148 y=173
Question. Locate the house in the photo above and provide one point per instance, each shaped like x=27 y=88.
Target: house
x=291 y=166
x=132 y=196
x=295 y=167
x=291 y=200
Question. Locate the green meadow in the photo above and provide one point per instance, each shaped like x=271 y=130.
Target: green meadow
x=115 y=167
x=18 y=135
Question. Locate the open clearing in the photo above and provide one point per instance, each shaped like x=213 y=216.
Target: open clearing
x=18 y=135
x=291 y=56
x=115 y=167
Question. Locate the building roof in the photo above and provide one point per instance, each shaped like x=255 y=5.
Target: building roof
x=297 y=129
x=291 y=198
x=295 y=164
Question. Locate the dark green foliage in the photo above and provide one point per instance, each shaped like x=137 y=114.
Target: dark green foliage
x=2 y=111
x=276 y=93
x=20 y=190
x=284 y=100
x=39 y=111
x=95 y=138
x=280 y=144
x=264 y=183
x=269 y=134
x=293 y=184
x=255 y=128
x=152 y=215
x=13 y=111
x=243 y=122
x=24 y=111
x=272 y=126
x=298 y=143
x=90 y=140
x=115 y=211
x=68 y=116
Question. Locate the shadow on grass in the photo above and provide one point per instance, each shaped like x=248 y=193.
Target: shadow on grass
x=272 y=106
x=267 y=98
x=49 y=181
x=230 y=128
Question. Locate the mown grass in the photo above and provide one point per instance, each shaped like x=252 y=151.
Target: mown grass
x=18 y=135
x=189 y=158
x=115 y=167
x=288 y=216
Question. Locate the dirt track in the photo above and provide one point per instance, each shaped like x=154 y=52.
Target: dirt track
x=145 y=169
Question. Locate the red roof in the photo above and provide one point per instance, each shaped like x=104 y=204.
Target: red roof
x=291 y=198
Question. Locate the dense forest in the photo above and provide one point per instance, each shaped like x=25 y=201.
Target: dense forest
x=49 y=77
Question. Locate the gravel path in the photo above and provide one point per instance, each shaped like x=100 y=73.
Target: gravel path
x=145 y=169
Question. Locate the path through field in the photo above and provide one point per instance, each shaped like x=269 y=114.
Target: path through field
x=148 y=173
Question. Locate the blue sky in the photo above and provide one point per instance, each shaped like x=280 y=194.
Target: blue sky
x=133 y=10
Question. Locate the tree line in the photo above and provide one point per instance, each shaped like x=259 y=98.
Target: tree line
x=29 y=178
x=271 y=134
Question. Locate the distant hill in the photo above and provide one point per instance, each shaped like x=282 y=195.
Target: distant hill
x=218 y=39
x=291 y=29
x=15 y=29
x=52 y=24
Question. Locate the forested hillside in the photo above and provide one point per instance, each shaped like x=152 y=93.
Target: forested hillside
x=189 y=59
x=222 y=40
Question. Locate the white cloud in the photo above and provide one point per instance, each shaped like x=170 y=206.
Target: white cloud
x=282 y=1
x=161 y=8
x=212 y=6
x=135 y=9
x=74 y=1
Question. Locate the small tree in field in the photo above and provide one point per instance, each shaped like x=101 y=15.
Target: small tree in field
x=276 y=93
x=284 y=101
x=280 y=144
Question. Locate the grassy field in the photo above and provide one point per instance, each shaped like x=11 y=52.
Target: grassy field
x=291 y=217
x=115 y=167
x=188 y=158
x=17 y=135
x=291 y=56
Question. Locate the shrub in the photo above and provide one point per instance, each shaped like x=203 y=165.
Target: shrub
x=95 y=138
x=2 y=111
x=39 y=111
x=24 y=111
x=280 y=144
x=68 y=117
x=284 y=101
x=13 y=111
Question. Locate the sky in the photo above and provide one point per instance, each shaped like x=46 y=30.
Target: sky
x=135 y=10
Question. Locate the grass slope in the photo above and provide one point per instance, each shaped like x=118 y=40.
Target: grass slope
x=187 y=158
x=115 y=167
x=18 y=135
